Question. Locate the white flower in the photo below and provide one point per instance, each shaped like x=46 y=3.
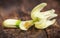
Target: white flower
x=42 y=19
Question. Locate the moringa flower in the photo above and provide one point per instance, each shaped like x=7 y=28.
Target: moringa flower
x=43 y=19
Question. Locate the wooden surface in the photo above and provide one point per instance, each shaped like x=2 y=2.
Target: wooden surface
x=21 y=9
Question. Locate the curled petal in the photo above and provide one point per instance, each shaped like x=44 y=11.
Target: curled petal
x=44 y=24
x=25 y=25
x=36 y=10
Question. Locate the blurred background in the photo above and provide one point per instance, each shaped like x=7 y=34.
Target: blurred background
x=21 y=9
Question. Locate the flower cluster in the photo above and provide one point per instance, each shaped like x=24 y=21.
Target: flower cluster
x=40 y=20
